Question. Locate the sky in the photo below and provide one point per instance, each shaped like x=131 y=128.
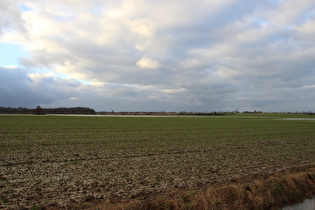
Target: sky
x=148 y=55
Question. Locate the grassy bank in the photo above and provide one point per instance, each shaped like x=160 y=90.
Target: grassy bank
x=57 y=160
x=273 y=191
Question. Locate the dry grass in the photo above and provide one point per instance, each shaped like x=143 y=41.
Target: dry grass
x=276 y=191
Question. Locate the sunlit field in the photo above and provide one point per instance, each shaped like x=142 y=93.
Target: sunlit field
x=61 y=159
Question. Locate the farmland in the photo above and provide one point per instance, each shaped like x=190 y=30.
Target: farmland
x=60 y=159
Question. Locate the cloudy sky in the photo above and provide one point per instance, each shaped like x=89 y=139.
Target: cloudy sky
x=148 y=55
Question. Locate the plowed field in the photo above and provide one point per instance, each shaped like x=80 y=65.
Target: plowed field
x=54 y=160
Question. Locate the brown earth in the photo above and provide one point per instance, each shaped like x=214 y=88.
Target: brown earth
x=68 y=163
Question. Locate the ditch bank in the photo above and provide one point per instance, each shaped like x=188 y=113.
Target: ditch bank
x=271 y=191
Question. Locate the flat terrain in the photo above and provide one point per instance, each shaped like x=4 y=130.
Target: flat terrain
x=60 y=159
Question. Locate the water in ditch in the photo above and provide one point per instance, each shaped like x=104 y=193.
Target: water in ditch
x=308 y=204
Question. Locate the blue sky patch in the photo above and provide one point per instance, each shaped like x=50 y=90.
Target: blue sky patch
x=10 y=54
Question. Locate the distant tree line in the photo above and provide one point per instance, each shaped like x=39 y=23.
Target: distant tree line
x=165 y=113
x=206 y=113
x=70 y=110
x=9 y=110
x=135 y=113
x=39 y=110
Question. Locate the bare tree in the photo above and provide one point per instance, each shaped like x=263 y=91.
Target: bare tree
x=39 y=111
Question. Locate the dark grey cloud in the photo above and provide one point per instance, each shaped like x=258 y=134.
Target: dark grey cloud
x=14 y=90
x=19 y=88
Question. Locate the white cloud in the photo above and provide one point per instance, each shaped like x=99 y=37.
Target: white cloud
x=173 y=91
x=148 y=63
x=143 y=26
x=10 y=16
x=143 y=30
x=306 y=31
x=291 y=12
x=190 y=64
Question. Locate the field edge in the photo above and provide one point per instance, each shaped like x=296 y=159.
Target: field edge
x=272 y=191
